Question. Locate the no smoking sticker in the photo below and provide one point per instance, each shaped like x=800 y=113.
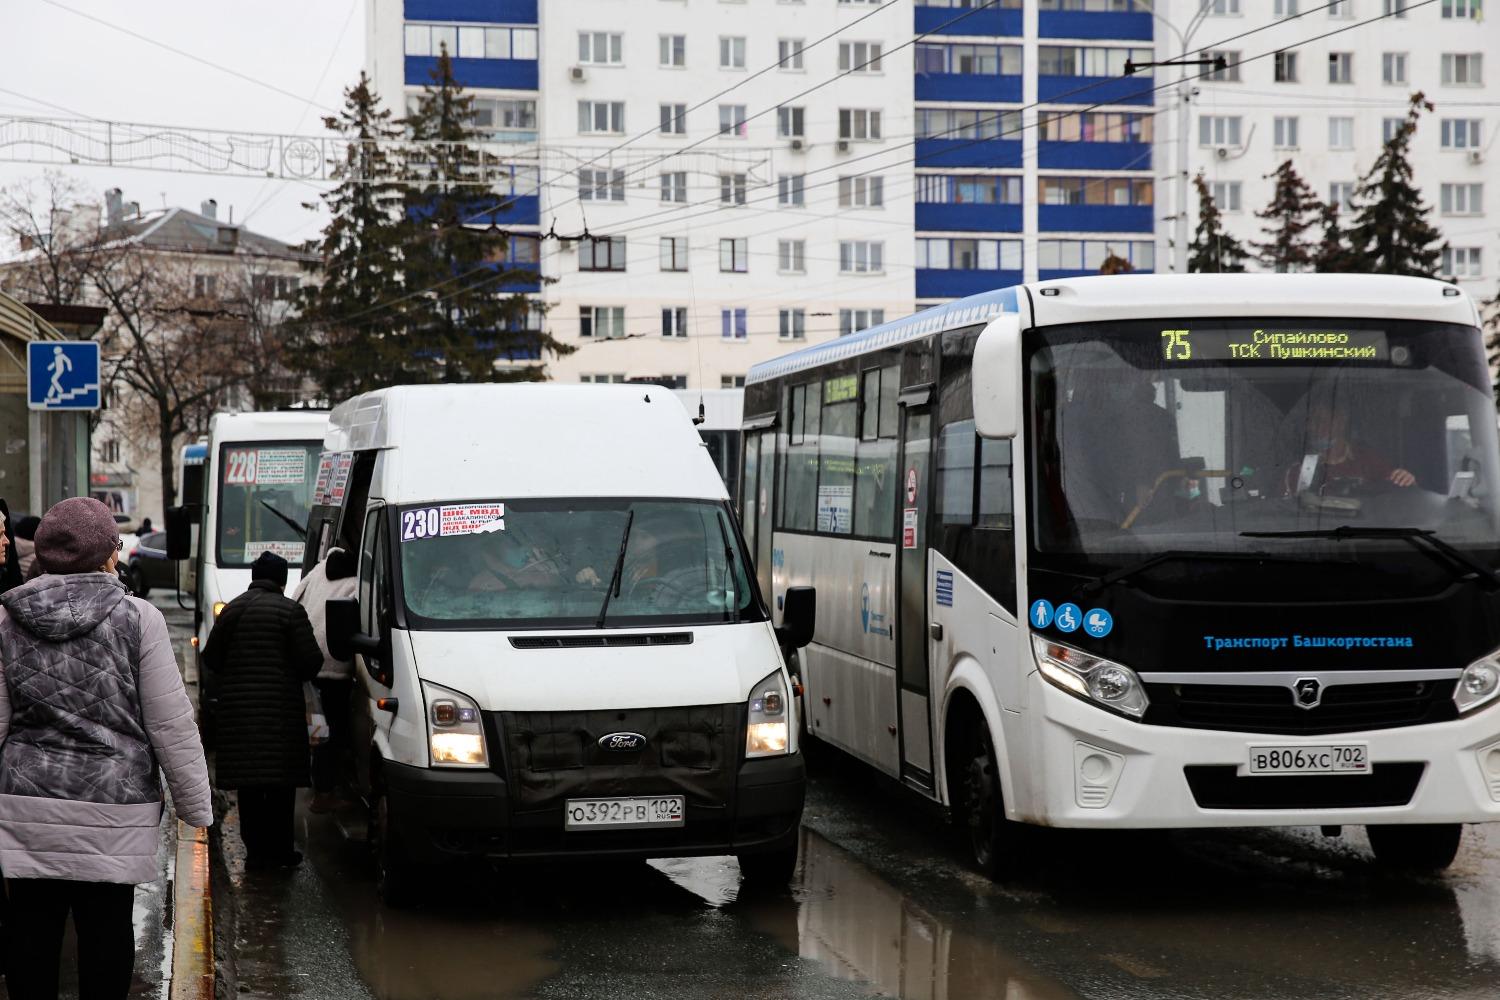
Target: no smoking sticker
x=911 y=486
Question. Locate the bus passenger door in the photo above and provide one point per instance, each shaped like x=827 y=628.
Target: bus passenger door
x=755 y=503
x=916 y=727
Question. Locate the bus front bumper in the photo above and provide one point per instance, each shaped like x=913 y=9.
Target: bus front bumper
x=1098 y=769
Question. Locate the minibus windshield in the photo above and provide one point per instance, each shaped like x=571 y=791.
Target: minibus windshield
x=265 y=495
x=549 y=563
x=1259 y=436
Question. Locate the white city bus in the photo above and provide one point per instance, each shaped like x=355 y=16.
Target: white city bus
x=1150 y=551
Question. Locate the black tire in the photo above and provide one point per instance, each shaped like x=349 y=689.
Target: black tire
x=397 y=881
x=770 y=871
x=994 y=841
x=1416 y=847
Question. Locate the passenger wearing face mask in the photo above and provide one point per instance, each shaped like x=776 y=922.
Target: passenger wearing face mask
x=1339 y=457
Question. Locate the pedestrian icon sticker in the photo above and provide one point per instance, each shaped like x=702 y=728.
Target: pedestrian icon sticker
x=1041 y=614
x=62 y=375
x=1069 y=617
x=1098 y=623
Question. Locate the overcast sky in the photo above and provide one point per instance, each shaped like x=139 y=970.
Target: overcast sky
x=52 y=55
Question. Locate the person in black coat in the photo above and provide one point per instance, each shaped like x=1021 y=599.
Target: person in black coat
x=262 y=650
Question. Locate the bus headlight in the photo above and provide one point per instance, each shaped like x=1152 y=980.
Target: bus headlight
x=455 y=734
x=1094 y=678
x=769 y=730
x=1479 y=683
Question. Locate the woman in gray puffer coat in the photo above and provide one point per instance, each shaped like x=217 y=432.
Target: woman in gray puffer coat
x=92 y=710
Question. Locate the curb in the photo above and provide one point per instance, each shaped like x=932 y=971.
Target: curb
x=192 y=918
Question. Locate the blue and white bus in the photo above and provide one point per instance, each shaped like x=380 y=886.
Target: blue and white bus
x=1150 y=551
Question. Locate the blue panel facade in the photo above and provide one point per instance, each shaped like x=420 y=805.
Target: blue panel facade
x=1096 y=89
x=988 y=21
x=968 y=152
x=532 y=285
x=1133 y=25
x=522 y=210
x=940 y=283
x=473 y=11
x=497 y=74
x=968 y=87
x=1095 y=218
x=969 y=218
x=1093 y=155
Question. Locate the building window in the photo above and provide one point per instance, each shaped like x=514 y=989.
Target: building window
x=731 y=381
x=205 y=286
x=1084 y=60
x=1284 y=129
x=789 y=190
x=1390 y=127
x=1461 y=262
x=110 y=451
x=1460 y=133
x=954 y=123
x=1393 y=68
x=854 y=320
x=675 y=381
x=674 y=119
x=1463 y=69
x=861 y=192
x=958 y=189
x=790 y=256
x=601 y=185
x=470 y=41
x=674 y=321
x=1286 y=67
x=614 y=379
x=673 y=50
x=601 y=253
x=601 y=322
x=1341 y=193
x=1089 y=255
x=1220 y=8
x=674 y=186
x=1340 y=132
x=1466 y=9
x=601 y=117
x=861 y=257
x=733 y=324
x=674 y=253
x=859 y=57
x=1341 y=67
x=1394 y=8
x=943 y=254
x=1231 y=71
x=732 y=120
x=732 y=52
x=1341 y=9
x=1095 y=126
x=790 y=122
x=859 y=123
x=1095 y=191
x=1285 y=8
x=1219 y=130
x=1462 y=199
x=793 y=324
x=1226 y=195
x=731 y=189
x=734 y=255
x=599 y=48
x=968 y=60
x=789 y=53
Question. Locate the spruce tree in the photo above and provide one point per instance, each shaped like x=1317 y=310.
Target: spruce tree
x=348 y=340
x=1391 y=234
x=1292 y=211
x=1333 y=255
x=470 y=312
x=1213 y=251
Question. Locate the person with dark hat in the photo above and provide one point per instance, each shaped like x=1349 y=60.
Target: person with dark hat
x=92 y=711
x=262 y=651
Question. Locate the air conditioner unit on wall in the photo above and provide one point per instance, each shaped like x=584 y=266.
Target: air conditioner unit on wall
x=798 y=144
x=1222 y=152
x=1476 y=156
x=843 y=145
x=576 y=73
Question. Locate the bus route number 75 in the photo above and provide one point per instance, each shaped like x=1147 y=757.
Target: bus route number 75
x=1175 y=346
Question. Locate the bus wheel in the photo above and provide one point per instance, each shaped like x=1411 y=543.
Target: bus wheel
x=396 y=879
x=992 y=837
x=1416 y=847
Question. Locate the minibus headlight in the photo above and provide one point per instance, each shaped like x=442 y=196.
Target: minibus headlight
x=1479 y=683
x=455 y=734
x=1094 y=678
x=769 y=730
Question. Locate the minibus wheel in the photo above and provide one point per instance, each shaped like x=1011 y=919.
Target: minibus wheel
x=993 y=839
x=1421 y=847
x=396 y=879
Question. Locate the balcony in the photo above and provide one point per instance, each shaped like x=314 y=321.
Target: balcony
x=494 y=74
x=968 y=87
x=532 y=284
x=968 y=152
x=473 y=11
x=1095 y=218
x=1115 y=26
x=1093 y=155
x=988 y=22
x=1081 y=272
x=1096 y=89
x=942 y=283
x=968 y=218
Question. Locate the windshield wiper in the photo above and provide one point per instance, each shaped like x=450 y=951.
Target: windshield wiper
x=1417 y=536
x=613 y=590
x=733 y=583
x=299 y=529
x=1140 y=566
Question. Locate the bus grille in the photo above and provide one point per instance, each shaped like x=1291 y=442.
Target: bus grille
x=1258 y=708
x=1219 y=786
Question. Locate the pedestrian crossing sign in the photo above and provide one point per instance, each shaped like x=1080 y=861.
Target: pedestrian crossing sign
x=62 y=375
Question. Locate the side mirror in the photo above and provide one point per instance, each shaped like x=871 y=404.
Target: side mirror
x=180 y=532
x=341 y=617
x=996 y=368
x=799 y=617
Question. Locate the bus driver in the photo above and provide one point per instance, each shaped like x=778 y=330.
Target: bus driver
x=1338 y=457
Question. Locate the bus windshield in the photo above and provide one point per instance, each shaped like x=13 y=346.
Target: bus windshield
x=529 y=563
x=265 y=495
x=1211 y=436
